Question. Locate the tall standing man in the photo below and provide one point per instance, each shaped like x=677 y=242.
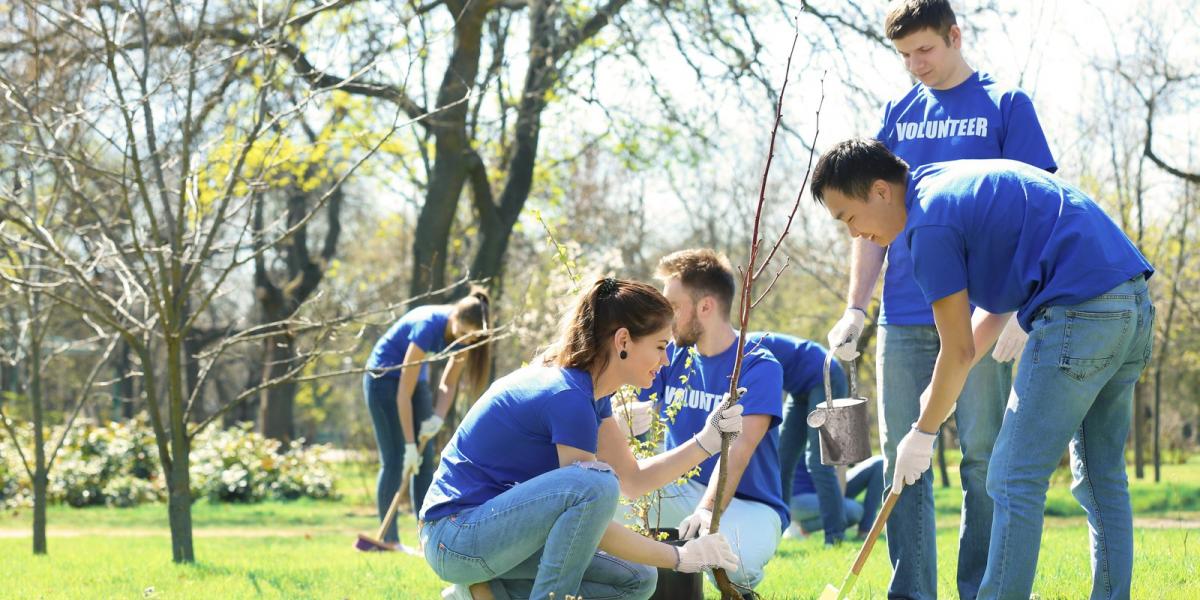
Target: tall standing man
x=700 y=286
x=953 y=113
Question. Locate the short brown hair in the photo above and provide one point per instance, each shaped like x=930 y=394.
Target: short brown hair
x=703 y=271
x=600 y=311
x=910 y=16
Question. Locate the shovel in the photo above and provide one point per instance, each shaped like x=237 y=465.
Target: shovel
x=366 y=543
x=839 y=593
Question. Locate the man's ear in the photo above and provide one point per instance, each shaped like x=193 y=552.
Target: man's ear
x=881 y=190
x=955 y=35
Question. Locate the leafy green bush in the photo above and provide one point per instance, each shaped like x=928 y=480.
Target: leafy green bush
x=12 y=493
x=116 y=464
x=238 y=465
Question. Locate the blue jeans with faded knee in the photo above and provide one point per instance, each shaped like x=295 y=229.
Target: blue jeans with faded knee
x=799 y=441
x=540 y=537
x=380 y=393
x=906 y=355
x=1074 y=389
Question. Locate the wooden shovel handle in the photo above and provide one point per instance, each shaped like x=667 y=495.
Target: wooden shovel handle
x=400 y=493
x=876 y=529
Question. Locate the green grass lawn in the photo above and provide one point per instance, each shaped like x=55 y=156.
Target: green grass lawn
x=303 y=550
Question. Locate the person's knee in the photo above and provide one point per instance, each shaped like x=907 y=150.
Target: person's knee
x=996 y=487
x=596 y=482
x=975 y=471
x=643 y=581
x=1008 y=489
x=748 y=576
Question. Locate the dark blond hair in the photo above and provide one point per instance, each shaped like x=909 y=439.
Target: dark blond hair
x=474 y=310
x=608 y=305
x=704 y=272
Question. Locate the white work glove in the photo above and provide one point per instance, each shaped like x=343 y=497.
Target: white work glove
x=429 y=428
x=843 y=338
x=1011 y=342
x=412 y=461
x=721 y=420
x=912 y=458
x=695 y=524
x=637 y=415
x=708 y=552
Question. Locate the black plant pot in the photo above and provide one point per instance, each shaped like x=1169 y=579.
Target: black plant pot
x=673 y=585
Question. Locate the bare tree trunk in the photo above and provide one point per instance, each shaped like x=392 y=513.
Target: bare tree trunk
x=1160 y=360
x=179 y=506
x=193 y=343
x=39 y=443
x=123 y=391
x=245 y=410
x=179 y=489
x=436 y=219
x=276 y=416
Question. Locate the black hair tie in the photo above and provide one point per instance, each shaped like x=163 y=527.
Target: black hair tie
x=608 y=287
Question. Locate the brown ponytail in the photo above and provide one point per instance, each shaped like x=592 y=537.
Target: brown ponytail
x=600 y=311
x=475 y=310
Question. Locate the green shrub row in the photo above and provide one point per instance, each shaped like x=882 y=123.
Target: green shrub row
x=116 y=464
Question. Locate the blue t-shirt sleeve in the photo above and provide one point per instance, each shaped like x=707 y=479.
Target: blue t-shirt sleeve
x=571 y=418
x=939 y=260
x=604 y=407
x=763 y=380
x=1024 y=139
x=425 y=334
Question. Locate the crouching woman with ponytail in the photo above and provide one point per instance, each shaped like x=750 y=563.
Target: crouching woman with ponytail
x=523 y=501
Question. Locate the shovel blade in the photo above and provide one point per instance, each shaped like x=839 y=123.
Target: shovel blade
x=830 y=593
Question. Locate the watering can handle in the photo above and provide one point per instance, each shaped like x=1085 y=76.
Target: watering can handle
x=853 y=379
x=828 y=386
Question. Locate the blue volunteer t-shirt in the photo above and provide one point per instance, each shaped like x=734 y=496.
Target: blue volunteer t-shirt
x=803 y=361
x=698 y=383
x=1015 y=237
x=979 y=118
x=424 y=326
x=510 y=436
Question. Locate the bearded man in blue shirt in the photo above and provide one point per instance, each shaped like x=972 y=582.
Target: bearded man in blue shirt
x=700 y=285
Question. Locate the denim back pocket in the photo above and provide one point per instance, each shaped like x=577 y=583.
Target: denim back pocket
x=456 y=568
x=1091 y=340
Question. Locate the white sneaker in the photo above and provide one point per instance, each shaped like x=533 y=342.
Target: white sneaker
x=457 y=592
x=794 y=532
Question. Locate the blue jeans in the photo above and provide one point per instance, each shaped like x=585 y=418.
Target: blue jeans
x=539 y=538
x=794 y=436
x=865 y=476
x=906 y=355
x=1074 y=388
x=380 y=393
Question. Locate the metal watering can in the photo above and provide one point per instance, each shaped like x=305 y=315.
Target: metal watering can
x=842 y=423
